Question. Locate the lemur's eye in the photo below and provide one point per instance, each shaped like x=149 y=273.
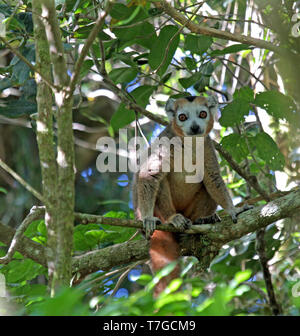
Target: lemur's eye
x=203 y=114
x=182 y=117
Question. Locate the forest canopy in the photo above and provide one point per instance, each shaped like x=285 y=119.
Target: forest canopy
x=77 y=71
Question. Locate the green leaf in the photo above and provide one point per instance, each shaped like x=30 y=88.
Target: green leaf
x=97 y=235
x=32 y=231
x=233 y=113
x=190 y=81
x=207 y=69
x=231 y=50
x=276 y=104
x=5 y=83
x=116 y=214
x=166 y=77
x=242 y=276
x=2 y=190
x=16 y=108
x=42 y=228
x=163 y=50
x=235 y=145
x=20 y=270
x=197 y=44
x=199 y=79
x=191 y=64
x=120 y=11
x=123 y=75
x=123 y=116
x=141 y=33
x=85 y=68
x=83 y=241
x=245 y=93
x=268 y=151
x=20 y=70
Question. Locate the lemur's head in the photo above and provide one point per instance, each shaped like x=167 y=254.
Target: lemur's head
x=192 y=116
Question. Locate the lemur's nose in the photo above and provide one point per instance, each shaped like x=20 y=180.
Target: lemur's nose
x=195 y=129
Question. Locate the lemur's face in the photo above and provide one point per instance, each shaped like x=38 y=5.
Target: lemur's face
x=192 y=116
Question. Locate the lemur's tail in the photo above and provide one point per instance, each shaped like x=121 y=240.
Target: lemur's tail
x=163 y=250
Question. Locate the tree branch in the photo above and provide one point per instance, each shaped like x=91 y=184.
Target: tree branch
x=205 y=246
x=25 y=184
x=65 y=197
x=242 y=172
x=93 y=34
x=35 y=213
x=194 y=28
x=27 y=247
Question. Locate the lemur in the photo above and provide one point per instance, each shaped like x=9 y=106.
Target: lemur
x=166 y=197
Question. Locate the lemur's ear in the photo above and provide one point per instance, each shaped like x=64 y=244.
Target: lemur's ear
x=212 y=103
x=170 y=108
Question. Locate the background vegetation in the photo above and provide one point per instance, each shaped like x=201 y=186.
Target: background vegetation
x=77 y=70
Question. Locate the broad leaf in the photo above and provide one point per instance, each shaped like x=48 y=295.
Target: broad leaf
x=123 y=75
x=163 y=50
x=233 y=113
x=197 y=44
x=123 y=116
x=231 y=50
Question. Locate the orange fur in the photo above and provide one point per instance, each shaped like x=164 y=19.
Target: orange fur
x=164 y=249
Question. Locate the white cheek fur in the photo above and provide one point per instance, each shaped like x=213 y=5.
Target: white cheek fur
x=192 y=112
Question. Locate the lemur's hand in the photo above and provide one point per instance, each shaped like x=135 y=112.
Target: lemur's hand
x=208 y=220
x=236 y=211
x=179 y=221
x=149 y=225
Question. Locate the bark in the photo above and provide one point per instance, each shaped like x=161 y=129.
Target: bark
x=203 y=242
x=202 y=30
x=45 y=136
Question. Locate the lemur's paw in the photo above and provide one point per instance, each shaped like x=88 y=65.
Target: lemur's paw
x=236 y=211
x=180 y=222
x=208 y=220
x=149 y=225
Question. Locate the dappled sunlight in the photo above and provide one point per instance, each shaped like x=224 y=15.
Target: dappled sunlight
x=269 y=210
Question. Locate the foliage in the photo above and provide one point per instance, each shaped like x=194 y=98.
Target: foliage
x=149 y=59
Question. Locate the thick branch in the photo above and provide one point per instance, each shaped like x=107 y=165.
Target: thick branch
x=111 y=256
x=212 y=237
x=45 y=135
x=65 y=148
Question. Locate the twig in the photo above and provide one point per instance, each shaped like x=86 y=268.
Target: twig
x=34 y=214
x=123 y=276
x=173 y=37
x=261 y=251
x=127 y=100
x=250 y=178
x=27 y=247
x=21 y=181
x=256 y=288
x=93 y=34
x=245 y=69
x=198 y=29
